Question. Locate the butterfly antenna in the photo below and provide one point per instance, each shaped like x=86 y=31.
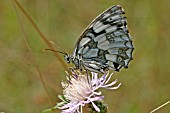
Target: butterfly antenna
x=62 y=51
x=55 y=51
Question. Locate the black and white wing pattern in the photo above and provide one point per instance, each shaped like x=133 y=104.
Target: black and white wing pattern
x=105 y=44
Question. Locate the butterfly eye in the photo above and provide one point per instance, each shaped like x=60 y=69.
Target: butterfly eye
x=67 y=58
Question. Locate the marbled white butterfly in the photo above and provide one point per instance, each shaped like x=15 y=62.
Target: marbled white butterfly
x=105 y=44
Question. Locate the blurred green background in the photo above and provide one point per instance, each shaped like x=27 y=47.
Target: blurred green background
x=145 y=84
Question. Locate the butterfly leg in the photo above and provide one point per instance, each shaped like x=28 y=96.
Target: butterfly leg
x=71 y=71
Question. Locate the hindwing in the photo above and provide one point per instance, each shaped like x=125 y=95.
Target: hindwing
x=106 y=42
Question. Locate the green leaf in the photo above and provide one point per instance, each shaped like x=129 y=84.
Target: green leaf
x=100 y=105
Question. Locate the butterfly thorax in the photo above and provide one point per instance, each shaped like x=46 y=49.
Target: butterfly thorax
x=74 y=60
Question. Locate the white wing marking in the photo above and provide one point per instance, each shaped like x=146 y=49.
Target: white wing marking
x=103 y=27
x=90 y=35
x=111 y=57
x=129 y=44
x=113 y=50
x=94 y=66
x=84 y=41
x=106 y=15
x=126 y=62
x=113 y=18
x=111 y=29
x=80 y=51
x=91 y=53
x=118 y=33
x=85 y=49
x=110 y=64
x=129 y=53
x=102 y=39
x=97 y=25
x=107 y=45
x=99 y=37
x=125 y=37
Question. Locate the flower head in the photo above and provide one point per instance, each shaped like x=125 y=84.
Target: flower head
x=83 y=89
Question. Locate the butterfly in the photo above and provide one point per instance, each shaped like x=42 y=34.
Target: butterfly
x=105 y=44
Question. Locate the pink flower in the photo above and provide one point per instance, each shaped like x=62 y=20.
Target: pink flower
x=83 y=89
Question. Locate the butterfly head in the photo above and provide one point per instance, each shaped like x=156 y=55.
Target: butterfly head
x=75 y=61
x=68 y=58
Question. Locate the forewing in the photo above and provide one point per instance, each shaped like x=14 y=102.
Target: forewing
x=106 y=40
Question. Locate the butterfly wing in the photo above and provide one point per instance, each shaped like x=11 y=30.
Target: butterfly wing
x=106 y=42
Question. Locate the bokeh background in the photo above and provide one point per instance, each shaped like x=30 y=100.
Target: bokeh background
x=145 y=84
